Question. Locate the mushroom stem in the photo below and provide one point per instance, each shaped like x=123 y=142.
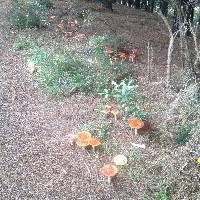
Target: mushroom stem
x=93 y=149
x=136 y=131
x=115 y=118
x=109 y=180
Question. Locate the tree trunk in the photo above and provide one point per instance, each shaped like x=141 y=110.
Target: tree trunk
x=164 y=7
x=137 y=4
x=152 y=5
x=130 y=3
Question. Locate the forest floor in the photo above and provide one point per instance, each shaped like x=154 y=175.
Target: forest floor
x=37 y=160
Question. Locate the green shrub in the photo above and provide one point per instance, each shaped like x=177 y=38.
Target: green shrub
x=160 y=195
x=183 y=133
x=55 y=70
x=23 y=42
x=46 y=3
x=60 y=72
x=27 y=14
x=126 y=97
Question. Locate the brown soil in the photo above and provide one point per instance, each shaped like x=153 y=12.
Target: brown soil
x=37 y=160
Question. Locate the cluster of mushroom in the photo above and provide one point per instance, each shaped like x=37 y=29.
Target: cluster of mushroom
x=110 y=170
x=84 y=139
x=108 y=109
x=121 y=55
x=135 y=123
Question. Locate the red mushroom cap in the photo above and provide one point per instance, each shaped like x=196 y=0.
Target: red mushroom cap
x=109 y=170
x=82 y=143
x=133 y=123
x=94 y=142
x=83 y=136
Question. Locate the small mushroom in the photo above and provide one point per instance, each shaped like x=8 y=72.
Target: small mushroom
x=82 y=143
x=106 y=111
x=109 y=50
x=131 y=57
x=79 y=36
x=113 y=61
x=120 y=160
x=115 y=112
x=109 y=170
x=94 y=142
x=83 y=136
x=121 y=55
x=133 y=123
x=31 y=67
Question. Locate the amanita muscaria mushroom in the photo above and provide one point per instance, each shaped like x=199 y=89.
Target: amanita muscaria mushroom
x=106 y=109
x=79 y=35
x=94 y=142
x=135 y=123
x=115 y=112
x=132 y=55
x=83 y=136
x=121 y=55
x=31 y=67
x=109 y=170
x=113 y=61
x=109 y=50
x=82 y=143
x=120 y=160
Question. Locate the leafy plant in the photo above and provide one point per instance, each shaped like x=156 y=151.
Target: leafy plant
x=126 y=96
x=133 y=175
x=27 y=14
x=46 y=3
x=102 y=130
x=160 y=195
x=55 y=70
x=109 y=148
x=134 y=156
x=183 y=133
x=23 y=42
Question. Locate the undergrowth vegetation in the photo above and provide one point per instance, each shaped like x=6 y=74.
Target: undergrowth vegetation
x=58 y=72
x=23 y=42
x=28 y=13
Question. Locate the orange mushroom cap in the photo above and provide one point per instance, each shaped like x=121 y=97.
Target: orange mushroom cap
x=121 y=55
x=82 y=143
x=133 y=123
x=115 y=111
x=83 y=136
x=94 y=142
x=106 y=111
x=109 y=170
x=109 y=50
